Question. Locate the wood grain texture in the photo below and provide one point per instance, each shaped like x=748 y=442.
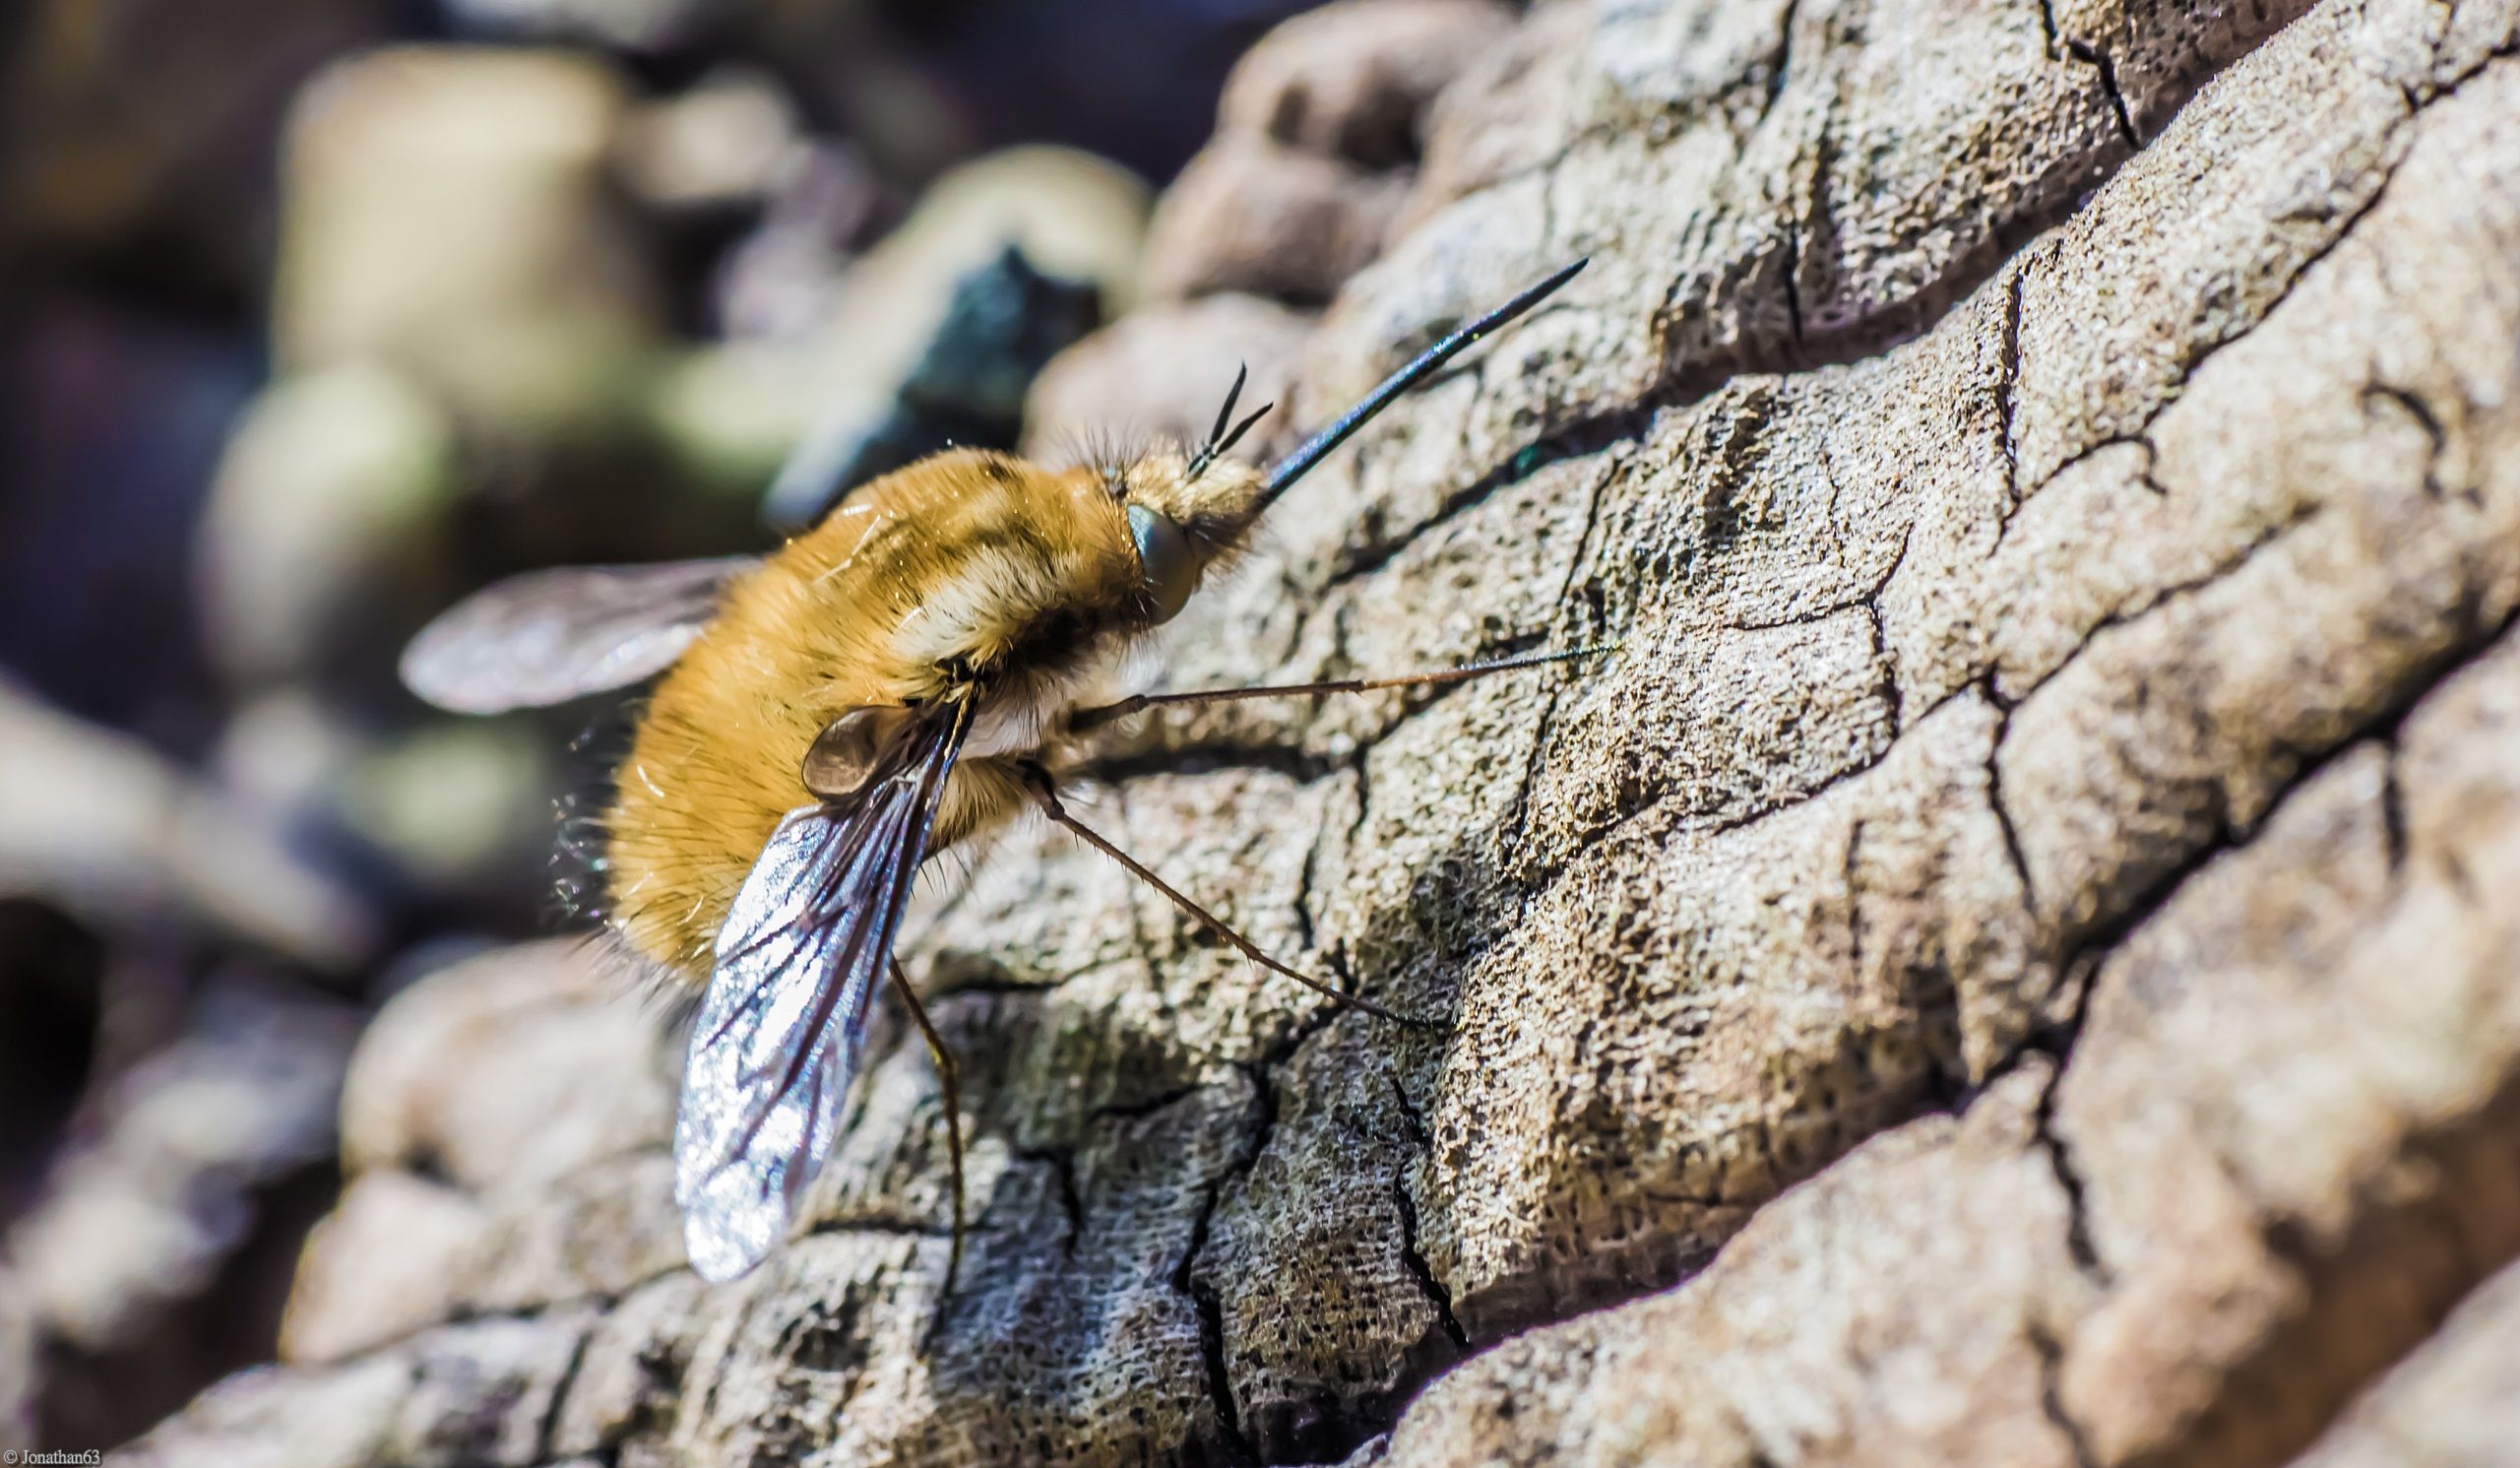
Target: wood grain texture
x=2010 y=963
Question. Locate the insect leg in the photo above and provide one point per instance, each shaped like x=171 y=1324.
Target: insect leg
x=953 y=1113
x=1085 y=719
x=1047 y=794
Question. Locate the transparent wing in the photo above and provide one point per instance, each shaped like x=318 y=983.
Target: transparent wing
x=546 y=637
x=775 y=1044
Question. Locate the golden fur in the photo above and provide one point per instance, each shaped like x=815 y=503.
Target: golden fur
x=968 y=574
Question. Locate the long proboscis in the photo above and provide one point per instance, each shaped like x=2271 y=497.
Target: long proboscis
x=1319 y=446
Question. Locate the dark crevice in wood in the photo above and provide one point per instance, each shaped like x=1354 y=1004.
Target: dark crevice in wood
x=2051 y=1404
x=1414 y=1260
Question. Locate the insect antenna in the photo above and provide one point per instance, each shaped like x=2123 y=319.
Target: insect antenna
x=1319 y=446
x=1220 y=438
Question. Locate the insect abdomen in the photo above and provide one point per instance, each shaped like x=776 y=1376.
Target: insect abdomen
x=963 y=560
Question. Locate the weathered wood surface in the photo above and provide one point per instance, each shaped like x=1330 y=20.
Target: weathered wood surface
x=2011 y=962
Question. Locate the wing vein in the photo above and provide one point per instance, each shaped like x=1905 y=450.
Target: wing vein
x=804 y=946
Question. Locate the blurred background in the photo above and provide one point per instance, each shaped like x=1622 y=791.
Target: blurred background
x=315 y=314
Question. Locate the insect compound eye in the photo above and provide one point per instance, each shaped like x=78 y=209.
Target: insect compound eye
x=1169 y=567
x=844 y=755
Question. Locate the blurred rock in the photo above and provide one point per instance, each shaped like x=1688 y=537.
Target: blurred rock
x=453 y=214
x=325 y=523
x=730 y=413
x=17 y=1367
x=892 y=330
x=449 y=210
x=470 y=1074
x=1309 y=168
x=2453 y=1402
x=1003 y=322
x=458 y=805
x=285 y=751
x=731 y=140
x=136 y=138
x=415 y=1405
x=643 y=25
x=113 y=421
x=782 y=280
x=110 y=830
x=450 y=815
x=144 y=1214
x=52 y=983
x=379 y=1266
x=1507 y=111
x=1073 y=214
x=1352 y=80
x=1249 y=214
x=921 y=81
x=597 y=1233
x=480 y=1096
x=160 y=1251
x=914 y=119
x=1161 y=372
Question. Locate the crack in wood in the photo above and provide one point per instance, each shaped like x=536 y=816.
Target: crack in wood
x=1415 y=1261
x=548 y=1429
x=2050 y=1355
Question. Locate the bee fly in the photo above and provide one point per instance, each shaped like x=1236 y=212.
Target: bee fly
x=881 y=687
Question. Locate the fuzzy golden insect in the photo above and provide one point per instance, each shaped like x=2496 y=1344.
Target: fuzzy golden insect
x=881 y=689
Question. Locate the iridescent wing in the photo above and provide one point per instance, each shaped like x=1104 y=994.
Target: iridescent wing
x=775 y=1044
x=546 y=637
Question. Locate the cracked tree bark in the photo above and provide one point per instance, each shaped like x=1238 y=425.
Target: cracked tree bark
x=2011 y=962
